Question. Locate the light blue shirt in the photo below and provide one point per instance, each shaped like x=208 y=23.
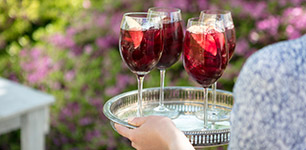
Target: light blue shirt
x=269 y=112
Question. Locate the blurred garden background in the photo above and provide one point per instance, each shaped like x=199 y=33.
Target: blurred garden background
x=69 y=48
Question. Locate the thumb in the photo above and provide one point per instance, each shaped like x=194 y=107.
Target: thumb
x=124 y=131
x=138 y=121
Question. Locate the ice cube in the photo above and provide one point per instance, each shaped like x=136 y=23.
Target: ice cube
x=219 y=26
x=228 y=22
x=153 y=21
x=198 y=29
x=132 y=24
x=229 y=25
x=147 y=25
x=166 y=19
x=213 y=24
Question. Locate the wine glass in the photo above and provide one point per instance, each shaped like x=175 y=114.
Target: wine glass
x=140 y=45
x=172 y=48
x=205 y=55
x=214 y=114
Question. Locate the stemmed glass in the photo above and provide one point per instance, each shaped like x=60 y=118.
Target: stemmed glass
x=172 y=48
x=205 y=55
x=140 y=45
x=214 y=114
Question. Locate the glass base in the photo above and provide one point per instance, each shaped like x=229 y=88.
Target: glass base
x=162 y=111
x=214 y=115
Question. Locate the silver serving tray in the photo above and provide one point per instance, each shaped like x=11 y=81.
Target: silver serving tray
x=186 y=100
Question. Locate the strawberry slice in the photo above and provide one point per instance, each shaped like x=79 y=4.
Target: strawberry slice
x=135 y=31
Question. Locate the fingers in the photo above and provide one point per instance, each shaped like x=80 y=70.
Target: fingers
x=138 y=121
x=124 y=131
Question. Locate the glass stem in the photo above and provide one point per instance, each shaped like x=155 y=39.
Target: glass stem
x=140 y=84
x=205 y=108
x=214 y=95
x=161 y=91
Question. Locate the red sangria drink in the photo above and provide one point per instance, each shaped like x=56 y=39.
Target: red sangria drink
x=231 y=40
x=173 y=44
x=215 y=114
x=205 y=55
x=141 y=45
x=141 y=50
x=172 y=48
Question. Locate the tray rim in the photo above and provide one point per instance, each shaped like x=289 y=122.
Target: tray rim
x=191 y=135
x=114 y=119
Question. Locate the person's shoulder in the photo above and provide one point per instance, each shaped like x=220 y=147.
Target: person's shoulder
x=270 y=94
x=272 y=66
x=280 y=51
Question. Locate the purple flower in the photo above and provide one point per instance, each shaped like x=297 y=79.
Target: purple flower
x=269 y=24
x=292 y=33
x=97 y=102
x=124 y=80
x=35 y=64
x=35 y=53
x=85 y=121
x=104 y=43
x=88 y=49
x=111 y=143
x=115 y=23
x=69 y=75
x=71 y=126
x=203 y=4
x=13 y=77
x=282 y=3
x=101 y=20
x=295 y=19
x=71 y=31
x=295 y=16
x=242 y=47
x=160 y=3
x=296 y=2
x=181 y=4
x=89 y=135
x=62 y=41
x=255 y=9
x=76 y=50
x=236 y=3
x=63 y=139
x=71 y=109
x=56 y=141
x=111 y=91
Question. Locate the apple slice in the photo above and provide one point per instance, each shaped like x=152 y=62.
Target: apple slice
x=135 y=31
x=204 y=38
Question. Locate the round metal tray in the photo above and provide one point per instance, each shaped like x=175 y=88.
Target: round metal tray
x=186 y=100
